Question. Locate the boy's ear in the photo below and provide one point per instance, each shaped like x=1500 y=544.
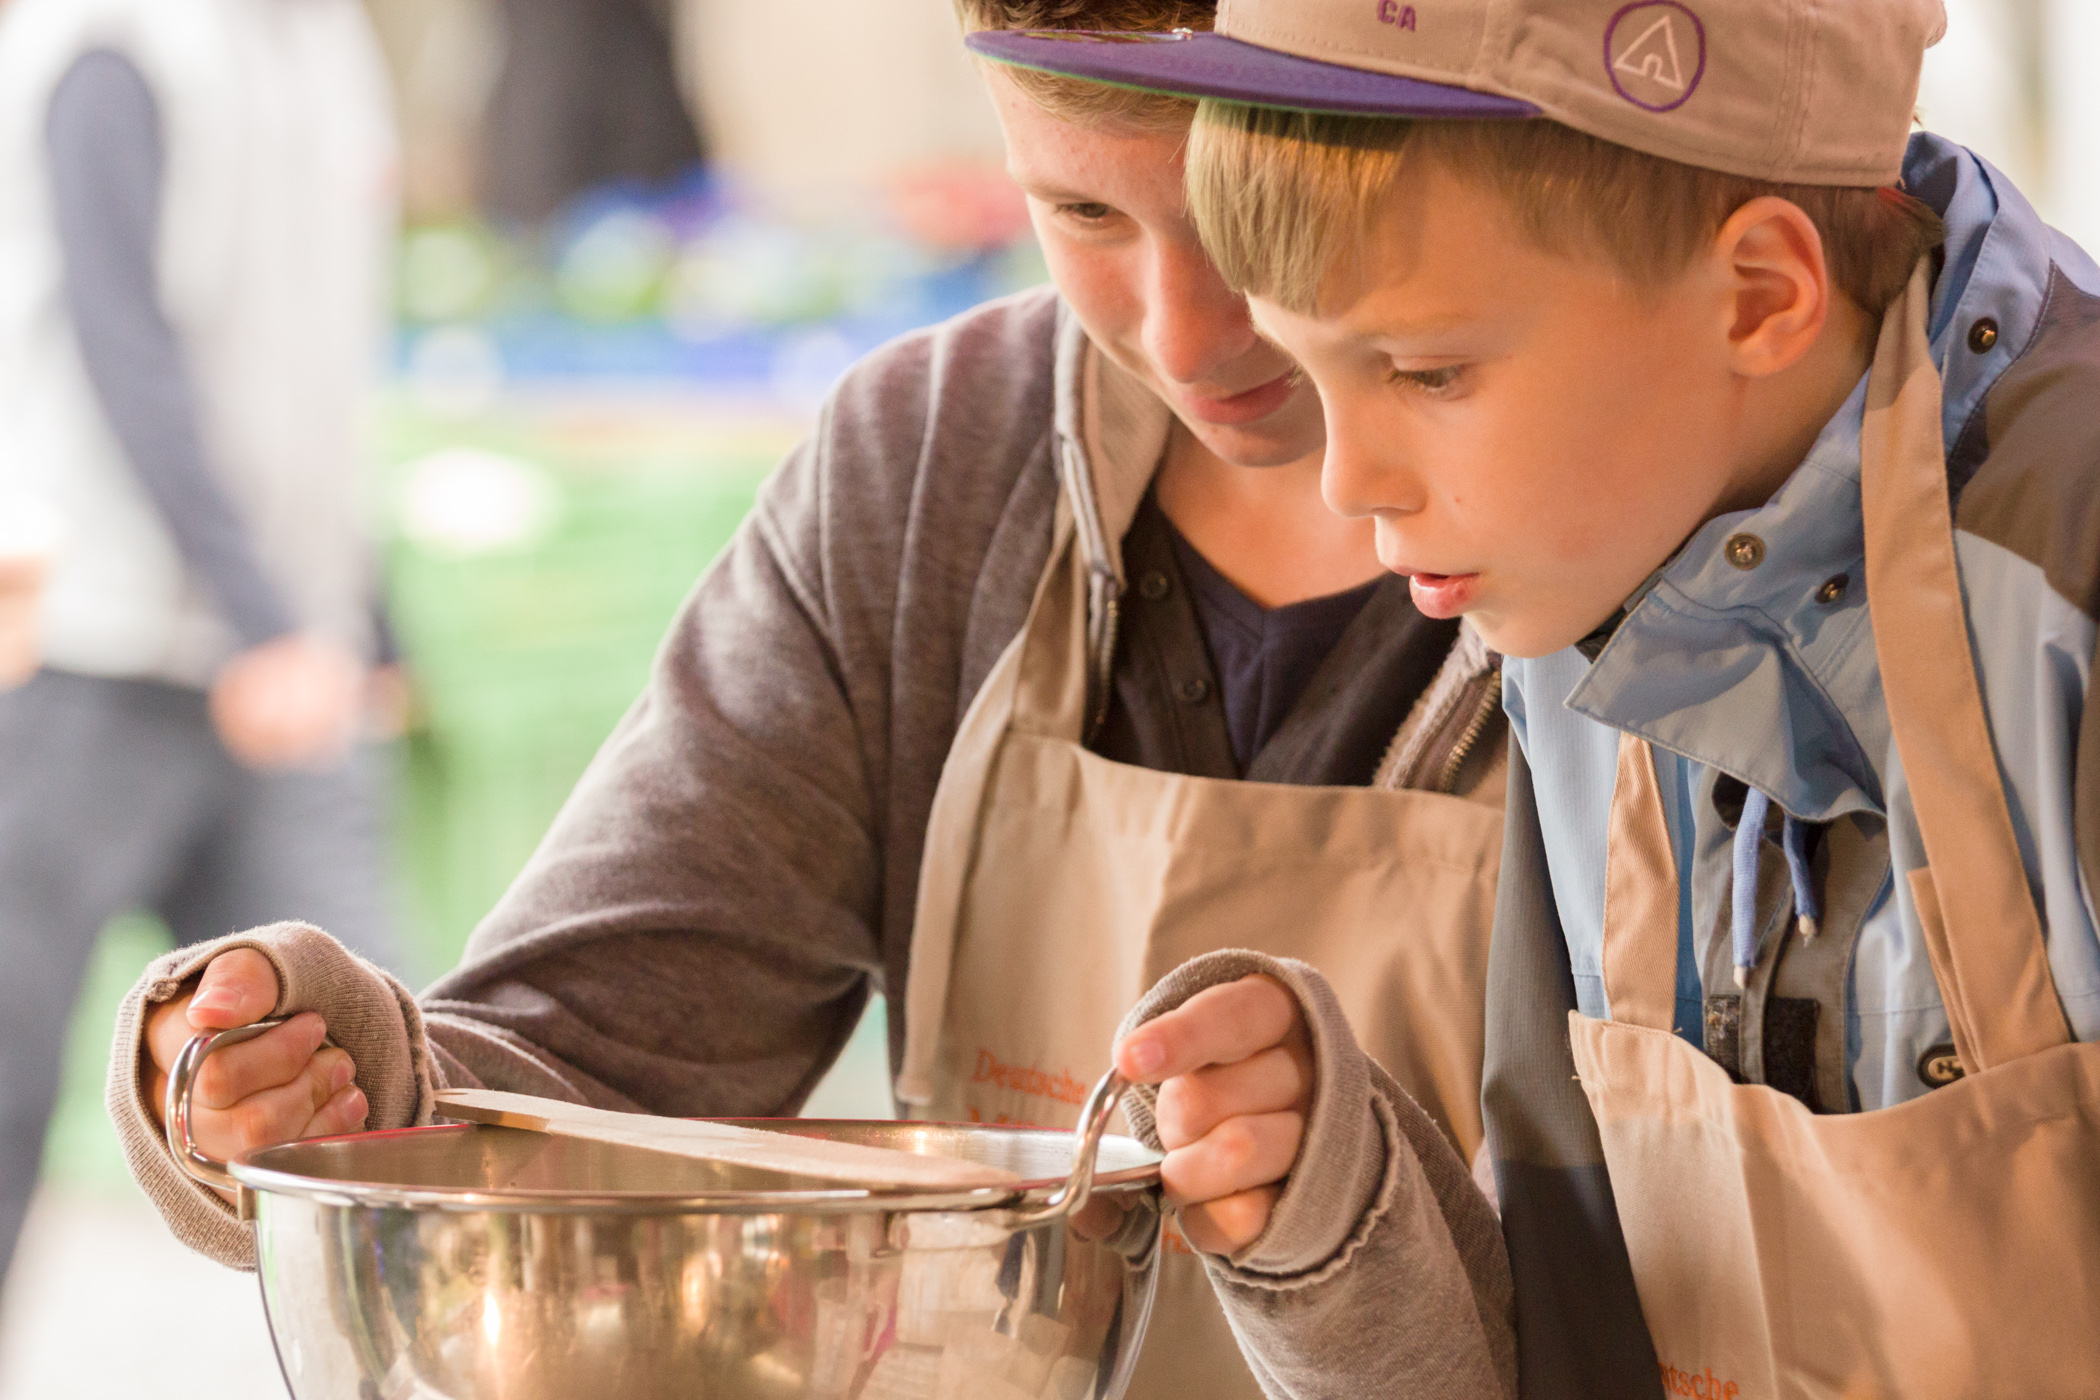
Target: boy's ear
x=1771 y=256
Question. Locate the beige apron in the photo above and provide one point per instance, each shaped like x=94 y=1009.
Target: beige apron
x=1059 y=887
x=1946 y=1247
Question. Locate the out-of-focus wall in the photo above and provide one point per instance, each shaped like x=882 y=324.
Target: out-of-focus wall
x=2073 y=118
x=2013 y=80
x=444 y=55
x=801 y=95
x=801 y=98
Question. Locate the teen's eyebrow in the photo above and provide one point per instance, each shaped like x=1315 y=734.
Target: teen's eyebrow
x=1050 y=192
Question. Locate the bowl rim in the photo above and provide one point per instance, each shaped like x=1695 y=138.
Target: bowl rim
x=255 y=1175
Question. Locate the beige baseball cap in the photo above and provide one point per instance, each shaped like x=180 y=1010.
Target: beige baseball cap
x=1816 y=92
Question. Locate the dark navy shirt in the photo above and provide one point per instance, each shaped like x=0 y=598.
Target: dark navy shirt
x=1210 y=684
x=1264 y=657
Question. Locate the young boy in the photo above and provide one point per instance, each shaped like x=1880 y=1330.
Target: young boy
x=1656 y=346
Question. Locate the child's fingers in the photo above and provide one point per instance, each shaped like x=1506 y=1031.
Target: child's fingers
x=1237 y=1155
x=1219 y=1026
x=1190 y=1105
x=345 y=1113
x=282 y=1114
x=1230 y=1223
x=272 y=1059
x=237 y=989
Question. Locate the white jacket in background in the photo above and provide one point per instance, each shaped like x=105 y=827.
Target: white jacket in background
x=277 y=216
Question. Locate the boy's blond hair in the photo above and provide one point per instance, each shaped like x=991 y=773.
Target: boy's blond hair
x=1074 y=99
x=1284 y=200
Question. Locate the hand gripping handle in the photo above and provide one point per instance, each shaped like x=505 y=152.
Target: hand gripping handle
x=182 y=1145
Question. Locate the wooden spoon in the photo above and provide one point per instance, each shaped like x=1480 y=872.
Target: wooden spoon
x=848 y=1163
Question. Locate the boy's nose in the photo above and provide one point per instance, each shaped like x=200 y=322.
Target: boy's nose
x=1365 y=472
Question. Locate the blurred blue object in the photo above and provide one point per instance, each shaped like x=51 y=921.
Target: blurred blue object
x=688 y=283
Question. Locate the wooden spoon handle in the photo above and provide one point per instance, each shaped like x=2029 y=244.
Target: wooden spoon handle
x=844 y=1162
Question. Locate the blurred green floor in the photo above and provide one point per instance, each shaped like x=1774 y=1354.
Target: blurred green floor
x=536 y=553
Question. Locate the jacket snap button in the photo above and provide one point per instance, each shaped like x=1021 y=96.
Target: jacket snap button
x=1745 y=551
x=1195 y=692
x=1983 y=335
x=1153 y=586
x=1833 y=589
x=1940 y=1066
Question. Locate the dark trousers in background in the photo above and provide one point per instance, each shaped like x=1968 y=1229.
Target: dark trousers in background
x=587 y=94
x=116 y=795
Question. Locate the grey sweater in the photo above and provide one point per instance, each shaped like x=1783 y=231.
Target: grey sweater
x=702 y=926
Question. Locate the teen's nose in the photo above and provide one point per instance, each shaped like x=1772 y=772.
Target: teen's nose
x=1195 y=325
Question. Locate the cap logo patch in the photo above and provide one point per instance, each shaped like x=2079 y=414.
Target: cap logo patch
x=1399 y=16
x=1655 y=52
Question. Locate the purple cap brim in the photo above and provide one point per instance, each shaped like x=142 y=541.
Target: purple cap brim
x=1185 y=64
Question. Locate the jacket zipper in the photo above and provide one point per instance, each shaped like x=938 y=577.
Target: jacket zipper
x=1469 y=738
x=1105 y=663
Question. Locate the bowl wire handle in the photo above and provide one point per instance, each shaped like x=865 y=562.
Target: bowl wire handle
x=182 y=1079
x=1093 y=1122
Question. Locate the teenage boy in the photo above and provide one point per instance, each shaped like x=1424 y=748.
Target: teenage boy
x=1761 y=432
x=1042 y=668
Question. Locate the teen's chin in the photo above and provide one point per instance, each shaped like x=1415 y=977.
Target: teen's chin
x=1276 y=441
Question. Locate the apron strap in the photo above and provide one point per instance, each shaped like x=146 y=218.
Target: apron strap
x=1982 y=929
x=1640 y=896
x=951 y=825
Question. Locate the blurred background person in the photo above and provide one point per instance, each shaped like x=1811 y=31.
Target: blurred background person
x=28 y=535
x=587 y=95
x=196 y=207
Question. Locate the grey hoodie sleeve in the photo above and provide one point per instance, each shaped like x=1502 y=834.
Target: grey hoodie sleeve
x=1382 y=1270
x=369 y=1014
x=104 y=137
x=737 y=870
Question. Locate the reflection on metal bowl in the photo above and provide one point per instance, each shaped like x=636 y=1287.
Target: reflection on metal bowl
x=482 y=1263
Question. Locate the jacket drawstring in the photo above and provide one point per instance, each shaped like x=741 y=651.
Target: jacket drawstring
x=1749 y=842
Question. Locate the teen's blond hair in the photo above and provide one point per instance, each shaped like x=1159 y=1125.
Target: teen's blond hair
x=1074 y=99
x=1283 y=200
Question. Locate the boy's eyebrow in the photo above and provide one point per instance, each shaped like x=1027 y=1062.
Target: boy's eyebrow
x=1436 y=324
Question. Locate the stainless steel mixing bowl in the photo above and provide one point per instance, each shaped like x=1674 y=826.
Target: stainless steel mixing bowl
x=481 y=1263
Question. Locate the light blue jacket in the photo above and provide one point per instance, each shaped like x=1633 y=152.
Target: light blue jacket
x=1766 y=678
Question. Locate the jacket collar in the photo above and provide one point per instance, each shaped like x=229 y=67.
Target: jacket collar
x=1111 y=430
x=1769 y=673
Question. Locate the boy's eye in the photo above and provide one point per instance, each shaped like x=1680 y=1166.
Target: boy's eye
x=1434 y=382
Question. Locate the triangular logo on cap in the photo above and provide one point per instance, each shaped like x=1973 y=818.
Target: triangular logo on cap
x=1662 y=64
x=1654 y=55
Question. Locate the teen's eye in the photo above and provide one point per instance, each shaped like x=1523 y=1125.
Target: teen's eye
x=1437 y=383
x=1087 y=213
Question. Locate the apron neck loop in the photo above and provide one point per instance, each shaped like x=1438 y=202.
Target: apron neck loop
x=1640 y=896
x=1973 y=902
x=1982 y=929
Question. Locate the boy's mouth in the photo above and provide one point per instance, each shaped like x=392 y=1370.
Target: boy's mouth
x=1442 y=595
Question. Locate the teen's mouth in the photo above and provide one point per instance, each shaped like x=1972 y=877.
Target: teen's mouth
x=1249 y=406
x=1442 y=595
